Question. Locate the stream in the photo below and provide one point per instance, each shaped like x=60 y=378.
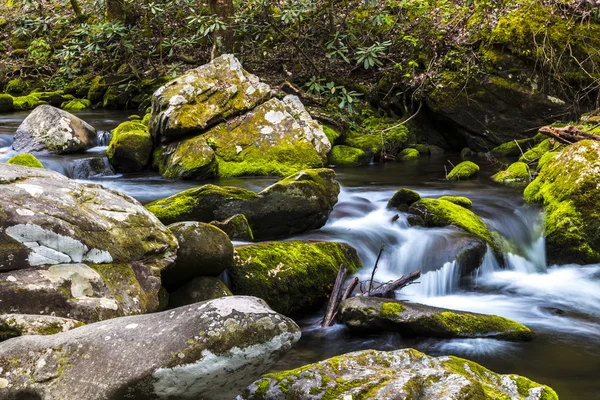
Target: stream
x=560 y=302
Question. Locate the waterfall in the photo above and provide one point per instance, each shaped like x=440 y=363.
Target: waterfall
x=103 y=138
x=440 y=282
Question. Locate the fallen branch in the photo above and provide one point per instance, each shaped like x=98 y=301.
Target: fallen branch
x=568 y=134
x=335 y=298
x=375 y=267
x=387 y=289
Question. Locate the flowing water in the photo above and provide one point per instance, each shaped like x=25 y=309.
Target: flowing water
x=561 y=303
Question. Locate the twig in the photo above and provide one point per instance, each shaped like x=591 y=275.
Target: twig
x=403 y=122
x=375 y=267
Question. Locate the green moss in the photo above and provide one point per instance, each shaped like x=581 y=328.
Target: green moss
x=26 y=160
x=332 y=134
x=76 y=105
x=464 y=170
x=409 y=154
x=516 y=172
x=97 y=89
x=28 y=102
x=16 y=87
x=391 y=309
x=6 y=102
x=458 y=200
x=146 y=119
x=513 y=148
x=471 y=325
x=538 y=151
x=371 y=144
x=346 y=156
x=546 y=157
x=130 y=146
x=403 y=199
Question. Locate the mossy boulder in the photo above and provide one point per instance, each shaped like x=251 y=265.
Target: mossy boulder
x=403 y=199
x=372 y=314
x=516 y=172
x=293 y=205
x=204 y=250
x=346 y=156
x=293 y=277
x=76 y=105
x=212 y=350
x=399 y=374
x=192 y=158
x=130 y=147
x=6 y=103
x=464 y=170
x=545 y=158
x=513 y=148
x=197 y=290
x=97 y=88
x=409 y=154
x=370 y=144
x=51 y=130
x=16 y=87
x=236 y=227
x=115 y=98
x=458 y=200
x=28 y=102
x=13 y=325
x=538 y=151
x=568 y=187
x=204 y=96
x=332 y=134
x=26 y=160
x=80 y=86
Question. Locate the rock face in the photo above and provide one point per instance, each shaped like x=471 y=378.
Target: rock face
x=13 y=325
x=204 y=250
x=51 y=130
x=203 y=97
x=189 y=159
x=568 y=187
x=209 y=350
x=295 y=204
x=293 y=277
x=78 y=251
x=130 y=147
x=411 y=319
x=197 y=290
x=400 y=374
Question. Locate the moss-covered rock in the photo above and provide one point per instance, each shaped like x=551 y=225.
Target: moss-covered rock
x=409 y=154
x=80 y=86
x=197 y=290
x=458 y=200
x=130 y=147
x=513 y=148
x=466 y=153
x=26 y=160
x=76 y=105
x=403 y=199
x=192 y=158
x=516 y=172
x=372 y=314
x=332 y=134
x=6 y=103
x=96 y=90
x=346 y=156
x=17 y=87
x=28 y=102
x=204 y=250
x=13 y=325
x=293 y=277
x=400 y=374
x=295 y=204
x=464 y=170
x=568 y=187
x=538 y=151
x=236 y=227
x=545 y=158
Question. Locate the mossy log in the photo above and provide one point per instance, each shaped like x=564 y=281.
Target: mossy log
x=568 y=134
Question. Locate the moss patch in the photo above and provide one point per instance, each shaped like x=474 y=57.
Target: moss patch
x=516 y=172
x=458 y=200
x=346 y=156
x=464 y=170
x=26 y=160
x=403 y=199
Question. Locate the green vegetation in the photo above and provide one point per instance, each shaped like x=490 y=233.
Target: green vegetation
x=346 y=156
x=403 y=199
x=458 y=200
x=26 y=160
x=464 y=170
x=516 y=172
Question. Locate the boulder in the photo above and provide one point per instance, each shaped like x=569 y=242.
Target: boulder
x=515 y=148
x=293 y=205
x=25 y=160
x=189 y=159
x=346 y=156
x=409 y=154
x=210 y=350
x=399 y=374
x=204 y=96
x=13 y=325
x=403 y=199
x=458 y=200
x=6 y=103
x=91 y=167
x=293 y=277
x=464 y=170
x=373 y=314
x=236 y=227
x=204 y=250
x=197 y=290
x=568 y=187
x=76 y=250
x=130 y=147
x=538 y=151
x=51 y=130
x=516 y=172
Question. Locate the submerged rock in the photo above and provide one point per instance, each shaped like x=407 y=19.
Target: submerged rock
x=464 y=170
x=372 y=314
x=130 y=147
x=203 y=97
x=50 y=130
x=295 y=204
x=197 y=290
x=400 y=374
x=13 y=325
x=568 y=185
x=25 y=160
x=91 y=167
x=293 y=277
x=76 y=250
x=209 y=350
x=403 y=199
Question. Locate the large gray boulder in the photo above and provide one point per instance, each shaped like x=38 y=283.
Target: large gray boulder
x=395 y=375
x=295 y=204
x=209 y=350
x=77 y=250
x=51 y=130
x=204 y=96
x=372 y=314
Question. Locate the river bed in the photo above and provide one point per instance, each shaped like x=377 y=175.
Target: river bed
x=561 y=303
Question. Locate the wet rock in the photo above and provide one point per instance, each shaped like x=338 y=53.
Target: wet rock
x=464 y=170
x=403 y=199
x=50 y=130
x=204 y=250
x=400 y=374
x=91 y=167
x=76 y=250
x=371 y=314
x=13 y=325
x=236 y=227
x=293 y=277
x=197 y=290
x=203 y=97
x=295 y=204
x=130 y=147
x=209 y=350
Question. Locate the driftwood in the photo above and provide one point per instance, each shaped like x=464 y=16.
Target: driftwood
x=350 y=289
x=568 y=134
x=335 y=298
x=375 y=267
x=387 y=289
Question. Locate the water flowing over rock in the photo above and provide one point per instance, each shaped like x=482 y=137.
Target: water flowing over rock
x=400 y=374
x=76 y=250
x=210 y=350
x=295 y=204
x=51 y=130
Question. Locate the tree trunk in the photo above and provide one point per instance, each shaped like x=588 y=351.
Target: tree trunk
x=77 y=10
x=223 y=40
